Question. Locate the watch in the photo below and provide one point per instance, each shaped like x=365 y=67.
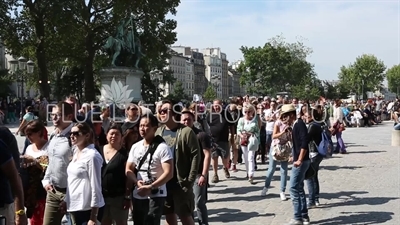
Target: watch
x=128 y=197
x=20 y=212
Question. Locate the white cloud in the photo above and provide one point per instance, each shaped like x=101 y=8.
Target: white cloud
x=337 y=31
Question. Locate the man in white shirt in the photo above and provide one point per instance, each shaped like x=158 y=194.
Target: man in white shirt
x=60 y=152
x=153 y=161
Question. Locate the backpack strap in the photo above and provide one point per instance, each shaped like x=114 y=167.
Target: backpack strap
x=152 y=148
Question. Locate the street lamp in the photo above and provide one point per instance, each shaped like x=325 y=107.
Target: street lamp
x=40 y=82
x=19 y=68
x=156 y=76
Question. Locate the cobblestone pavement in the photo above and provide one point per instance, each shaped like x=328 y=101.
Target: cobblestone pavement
x=361 y=187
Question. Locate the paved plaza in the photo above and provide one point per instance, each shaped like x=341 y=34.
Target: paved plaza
x=361 y=187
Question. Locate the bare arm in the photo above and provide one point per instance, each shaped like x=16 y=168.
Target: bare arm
x=277 y=133
x=21 y=125
x=131 y=178
x=206 y=163
x=168 y=173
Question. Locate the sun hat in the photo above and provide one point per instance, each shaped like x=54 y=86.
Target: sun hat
x=287 y=108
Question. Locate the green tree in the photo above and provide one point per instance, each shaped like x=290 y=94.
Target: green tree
x=28 y=29
x=277 y=62
x=393 y=77
x=178 y=94
x=5 y=82
x=308 y=89
x=76 y=30
x=334 y=91
x=366 y=74
x=210 y=93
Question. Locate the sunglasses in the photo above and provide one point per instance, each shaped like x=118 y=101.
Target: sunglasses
x=163 y=111
x=75 y=133
x=133 y=109
x=247 y=111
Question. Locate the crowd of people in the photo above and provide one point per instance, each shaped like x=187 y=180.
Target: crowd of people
x=157 y=162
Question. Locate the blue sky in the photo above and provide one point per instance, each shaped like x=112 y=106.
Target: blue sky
x=337 y=31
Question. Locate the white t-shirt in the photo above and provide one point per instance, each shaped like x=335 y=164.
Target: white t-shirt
x=161 y=155
x=36 y=154
x=269 y=126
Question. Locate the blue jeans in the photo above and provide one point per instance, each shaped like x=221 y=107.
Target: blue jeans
x=200 y=199
x=397 y=126
x=271 y=171
x=297 y=190
x=313 y=183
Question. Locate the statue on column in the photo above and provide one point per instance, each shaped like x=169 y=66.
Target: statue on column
x=125 y=47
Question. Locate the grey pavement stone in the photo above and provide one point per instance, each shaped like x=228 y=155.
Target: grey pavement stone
x=361 y=187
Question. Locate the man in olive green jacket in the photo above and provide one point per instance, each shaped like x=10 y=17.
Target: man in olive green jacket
x=186 y=150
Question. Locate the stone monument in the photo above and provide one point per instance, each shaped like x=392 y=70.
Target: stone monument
x=124 y=48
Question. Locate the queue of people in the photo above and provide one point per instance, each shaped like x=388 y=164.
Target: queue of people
x=154 y=165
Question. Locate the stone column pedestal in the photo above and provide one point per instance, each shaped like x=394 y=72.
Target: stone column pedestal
x=395 y=138
x=128 y=76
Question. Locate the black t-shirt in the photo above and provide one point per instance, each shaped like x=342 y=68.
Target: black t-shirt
x=235 y=114
x=11 y=148
x=205 y=143
x=113 y=174
x=315 y=132
x=219 y=125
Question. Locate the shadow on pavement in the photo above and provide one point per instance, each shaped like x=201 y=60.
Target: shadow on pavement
x=353 y=201
x=365 y=152
x=349 y=199
x=358 y=218
x=354 y=145
x=247 y=198
x=236 y=190
x=342 y=194
x=232 y=215
x=340 y=167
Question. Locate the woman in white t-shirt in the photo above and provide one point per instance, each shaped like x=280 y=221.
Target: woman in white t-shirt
x=33 y=161
x=151 y=174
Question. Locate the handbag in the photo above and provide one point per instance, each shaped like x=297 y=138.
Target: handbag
x=282 y=152
x=253 y=143
x=244 y=140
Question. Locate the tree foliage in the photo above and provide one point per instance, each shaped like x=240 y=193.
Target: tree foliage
x=277 y=62
x=5 y=82
x=178 y=94
x=210 y=93
x=308 y=89
x=331 y=91
x=77 y=29
x=365 y=74
x=393 y=77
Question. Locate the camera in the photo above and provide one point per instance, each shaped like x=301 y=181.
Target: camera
x=153 y=190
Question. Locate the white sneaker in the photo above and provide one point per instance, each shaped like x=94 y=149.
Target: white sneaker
x=283 y=196
x=264 y=191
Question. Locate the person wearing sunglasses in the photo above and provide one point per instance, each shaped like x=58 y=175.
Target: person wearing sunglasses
x=133 y=113
x=186 y=150
x=84 y=194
